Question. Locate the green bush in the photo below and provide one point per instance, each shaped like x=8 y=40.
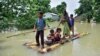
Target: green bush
x=25 y=23
x=97 y=15
x=4 y=24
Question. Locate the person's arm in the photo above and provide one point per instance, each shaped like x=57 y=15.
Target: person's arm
x=44 y=24
x=61 y=20
x=59 y=36
x=48 y=37
x=56 y=35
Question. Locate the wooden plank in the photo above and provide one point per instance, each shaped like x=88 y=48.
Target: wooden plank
x=53 y=47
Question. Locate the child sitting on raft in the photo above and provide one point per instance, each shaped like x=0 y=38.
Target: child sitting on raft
x=50 y=38
x=57 y=35
x=54 y=37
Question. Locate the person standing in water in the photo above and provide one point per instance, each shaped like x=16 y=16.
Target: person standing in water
x=64 y=21
x=71 y=24
x=40 y=26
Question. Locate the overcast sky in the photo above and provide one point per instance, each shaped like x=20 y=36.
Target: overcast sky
x=71 y=5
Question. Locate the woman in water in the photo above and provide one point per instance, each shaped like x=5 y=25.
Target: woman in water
x=64 y=21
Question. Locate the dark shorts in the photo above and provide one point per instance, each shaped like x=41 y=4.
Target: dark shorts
x=71 y=27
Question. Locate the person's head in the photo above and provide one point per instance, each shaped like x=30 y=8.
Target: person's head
x=71 y=15
x=40 y=14
x=51 y=31
x=58 y=30
x=65 y=14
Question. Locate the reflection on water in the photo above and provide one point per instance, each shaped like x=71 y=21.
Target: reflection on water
x=85 y=46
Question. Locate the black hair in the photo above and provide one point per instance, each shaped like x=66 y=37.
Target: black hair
x=51 y=31
x=71 y=15
x=65 y=14
x=40 y=12
x=58 y=29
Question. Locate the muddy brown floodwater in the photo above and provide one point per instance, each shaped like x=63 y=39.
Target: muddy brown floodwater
x=86 y=46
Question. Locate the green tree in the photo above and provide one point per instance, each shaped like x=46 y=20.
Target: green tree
x=61 y=7
x=20 y=11
x=90 y=8
x=97 y=10
x=54 y=10
x=85 y=8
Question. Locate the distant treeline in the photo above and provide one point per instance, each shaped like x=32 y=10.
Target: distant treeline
x=90 y=9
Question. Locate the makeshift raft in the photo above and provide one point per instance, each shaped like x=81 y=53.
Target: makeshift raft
x=32 y=45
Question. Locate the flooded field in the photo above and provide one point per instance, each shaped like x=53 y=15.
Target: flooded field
x=86 y=46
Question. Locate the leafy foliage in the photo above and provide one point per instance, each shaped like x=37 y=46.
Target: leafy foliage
x=59 y=9
x=21 y=12
x=90 y=9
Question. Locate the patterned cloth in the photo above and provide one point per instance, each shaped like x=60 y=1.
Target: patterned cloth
x=66 y=30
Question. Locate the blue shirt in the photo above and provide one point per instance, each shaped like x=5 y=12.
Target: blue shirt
x=71 y=22
x=40 y=24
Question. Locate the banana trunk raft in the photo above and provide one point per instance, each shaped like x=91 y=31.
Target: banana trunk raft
x=32 y=45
